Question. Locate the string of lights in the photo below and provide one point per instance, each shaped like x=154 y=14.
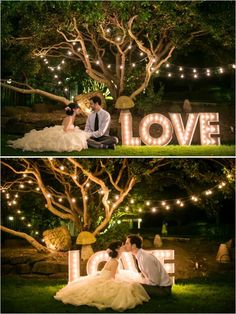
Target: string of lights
x=149 y=206
x=167 y=204
x=166 y=70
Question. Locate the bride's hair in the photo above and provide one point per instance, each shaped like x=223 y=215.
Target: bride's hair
x=113 y=247
x=70 y=108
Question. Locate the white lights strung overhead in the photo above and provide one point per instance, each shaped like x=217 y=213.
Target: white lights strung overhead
x=154 y=206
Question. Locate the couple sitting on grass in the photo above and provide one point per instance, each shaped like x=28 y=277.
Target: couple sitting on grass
x=68 y=137
x=108 y=289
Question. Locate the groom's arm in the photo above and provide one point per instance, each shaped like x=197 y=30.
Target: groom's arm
x=87 y=125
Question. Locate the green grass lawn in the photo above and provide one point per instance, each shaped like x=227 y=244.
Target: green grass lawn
x=206 y=295
x=170 y=150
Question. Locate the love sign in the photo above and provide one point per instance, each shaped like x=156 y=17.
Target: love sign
x=166 y=257
x=208 y=123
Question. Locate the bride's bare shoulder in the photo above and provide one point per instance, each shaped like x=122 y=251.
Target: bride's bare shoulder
x=66 y=120
x=111 y=263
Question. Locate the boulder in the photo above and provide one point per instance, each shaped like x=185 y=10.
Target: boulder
x=46 y=268
x=23 y=269
x=187 y=107
x=14 y=126
x=157 y=241
x=20 y=259
x=15 y=110
x=6 y=269
x=46 y=108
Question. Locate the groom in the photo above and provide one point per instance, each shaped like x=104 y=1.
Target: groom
x=98 y=125
x=156 y=281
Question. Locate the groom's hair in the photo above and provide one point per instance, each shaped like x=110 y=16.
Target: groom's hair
x=135 y=239
x=96 y=99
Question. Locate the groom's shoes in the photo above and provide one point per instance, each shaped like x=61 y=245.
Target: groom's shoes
x=112 y=146
x=116 y=140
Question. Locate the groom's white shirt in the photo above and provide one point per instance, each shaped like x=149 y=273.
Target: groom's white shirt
x=152 y=269
x=104 y=123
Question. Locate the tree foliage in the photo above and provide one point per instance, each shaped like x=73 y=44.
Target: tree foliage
x=134 y=38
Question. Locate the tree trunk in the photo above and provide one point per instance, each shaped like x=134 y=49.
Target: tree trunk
x=39 y=247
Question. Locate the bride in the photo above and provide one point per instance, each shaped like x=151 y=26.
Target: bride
x=59 y=138
x=103 y=290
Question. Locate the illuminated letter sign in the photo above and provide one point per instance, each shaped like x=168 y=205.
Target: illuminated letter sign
x=184 y=134
x=166 y=257
x=127 y=132
x=74 y=265
x=164 y=122
x=207 y=129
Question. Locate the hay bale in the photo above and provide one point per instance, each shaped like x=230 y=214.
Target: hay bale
x=83 y=100
x=58 y=239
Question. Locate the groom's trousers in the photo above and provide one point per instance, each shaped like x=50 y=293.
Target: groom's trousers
x=154 y=291
x=95 y=142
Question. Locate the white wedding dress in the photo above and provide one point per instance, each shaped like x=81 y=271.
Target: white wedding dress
x=103 y=291
x=53 y=139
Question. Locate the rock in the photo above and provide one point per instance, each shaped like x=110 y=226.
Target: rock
x=157 y=241
x=14 y=126
x=23 y=268
x=20 y=260
x=58 y=239
x=45 y=268
x=59 y=276
x=187 y=107
x=14 y=110
x=46 y=108
x=63 y=268
x=6 y=260
x=6 y=269
x=37 y=258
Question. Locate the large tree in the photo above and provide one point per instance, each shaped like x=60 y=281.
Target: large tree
x=90 y=192
x=120 y=44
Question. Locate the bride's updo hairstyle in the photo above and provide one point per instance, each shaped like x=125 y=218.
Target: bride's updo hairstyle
x=70 y=108
x=113 y=247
